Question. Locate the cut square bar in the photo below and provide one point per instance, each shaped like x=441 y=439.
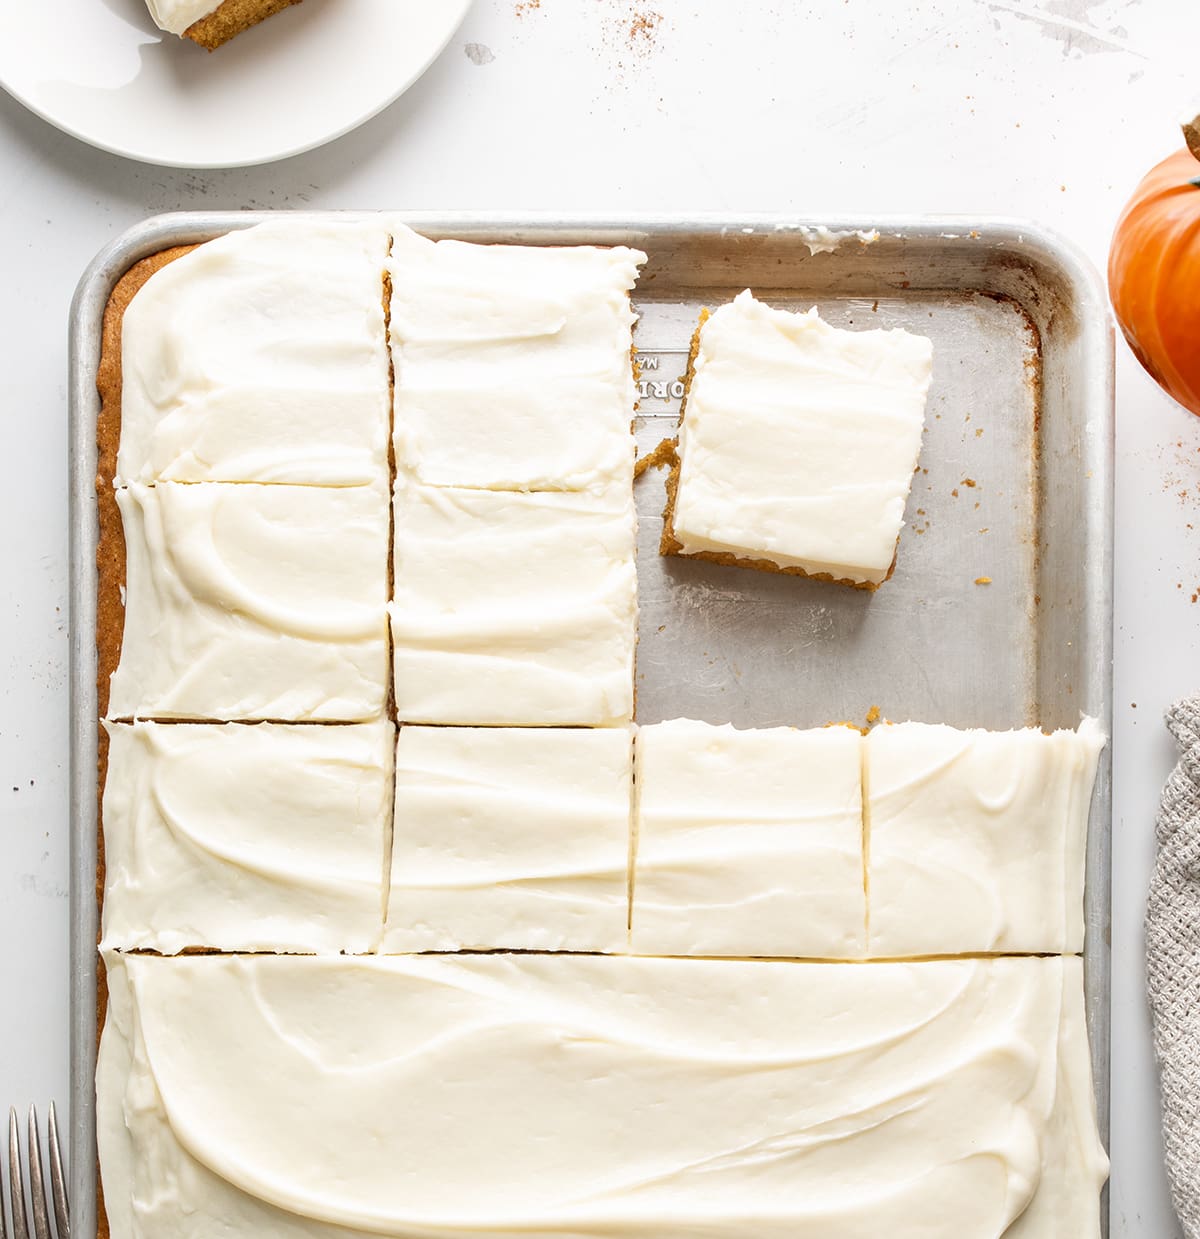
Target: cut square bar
x=511 y=839
x=797 y=444
x=513 y=367
x=514 y=609
x=235 y=837
x=748 y=842
x=253 y=602
x=977 y=838
x=260 y=357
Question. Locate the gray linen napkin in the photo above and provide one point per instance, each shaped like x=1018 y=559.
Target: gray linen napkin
x=1173 y=964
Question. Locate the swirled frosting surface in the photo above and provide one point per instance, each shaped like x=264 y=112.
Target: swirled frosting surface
x=799 y=441
x=512 y=363
x=260 y=357
x=175 y=16
x=253 y=602
x=977 y=838
x=510 y=837
x=514 y=608
x=748 y=842
x=574 y=1096
x=260 y=837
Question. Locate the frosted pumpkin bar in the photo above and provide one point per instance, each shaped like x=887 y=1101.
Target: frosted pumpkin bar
x=511 y=838
x=976 y=839
x=253 y=602
x=797 y=444
x=260 y=356
x=748 y=842
x=212 y=23
x=514 y=609
x=606 y=1096
x=261 y=837
x=513 y=363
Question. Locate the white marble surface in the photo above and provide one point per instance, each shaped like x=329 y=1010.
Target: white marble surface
x=1045 y=108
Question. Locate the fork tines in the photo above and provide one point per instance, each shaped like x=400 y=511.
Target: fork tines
x=23 y=1205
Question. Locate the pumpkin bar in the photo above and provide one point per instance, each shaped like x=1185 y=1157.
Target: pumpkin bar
x=253 y=602
x=514 y=609
x=235 y=837
x=513 y=363
x=260 y=356
x=211 y=23
x=976 y=838
x=511 y=839
x=748 y=842
x=797 y=444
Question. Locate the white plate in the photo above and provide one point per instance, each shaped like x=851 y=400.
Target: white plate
x=102 y=70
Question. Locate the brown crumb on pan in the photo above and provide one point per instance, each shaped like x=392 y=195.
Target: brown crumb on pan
x=664 y=454
x=983 y=580
x=874 y=714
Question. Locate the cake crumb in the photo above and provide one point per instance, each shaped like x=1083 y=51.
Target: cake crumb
x=970 y=482
x=954 y=492
x=979 y=432
x=873 y=715
x=664 y=454
x=527 y=6
x=983 y=580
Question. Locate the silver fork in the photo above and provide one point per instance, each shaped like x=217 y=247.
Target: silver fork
x=37 y=1197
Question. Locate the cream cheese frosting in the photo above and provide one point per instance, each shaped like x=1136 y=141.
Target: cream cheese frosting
x=748 y=842
x=253 y=602
x=799 y=441
x=987 y=828
x=595 y=1096
x=512 y=363
x=259 y=837
x=175 y=16
x=513 y=838
x=260 y=356
x=514 y=608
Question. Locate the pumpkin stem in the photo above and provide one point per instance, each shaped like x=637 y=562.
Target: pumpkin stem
x=1191 y=135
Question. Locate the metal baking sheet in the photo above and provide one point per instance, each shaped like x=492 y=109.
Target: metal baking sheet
x=1015 y=485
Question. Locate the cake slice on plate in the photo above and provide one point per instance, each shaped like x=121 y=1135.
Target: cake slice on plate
x=797 y=444
x=212 y=22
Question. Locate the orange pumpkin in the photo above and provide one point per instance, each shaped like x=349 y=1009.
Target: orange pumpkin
x=1154 y=272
